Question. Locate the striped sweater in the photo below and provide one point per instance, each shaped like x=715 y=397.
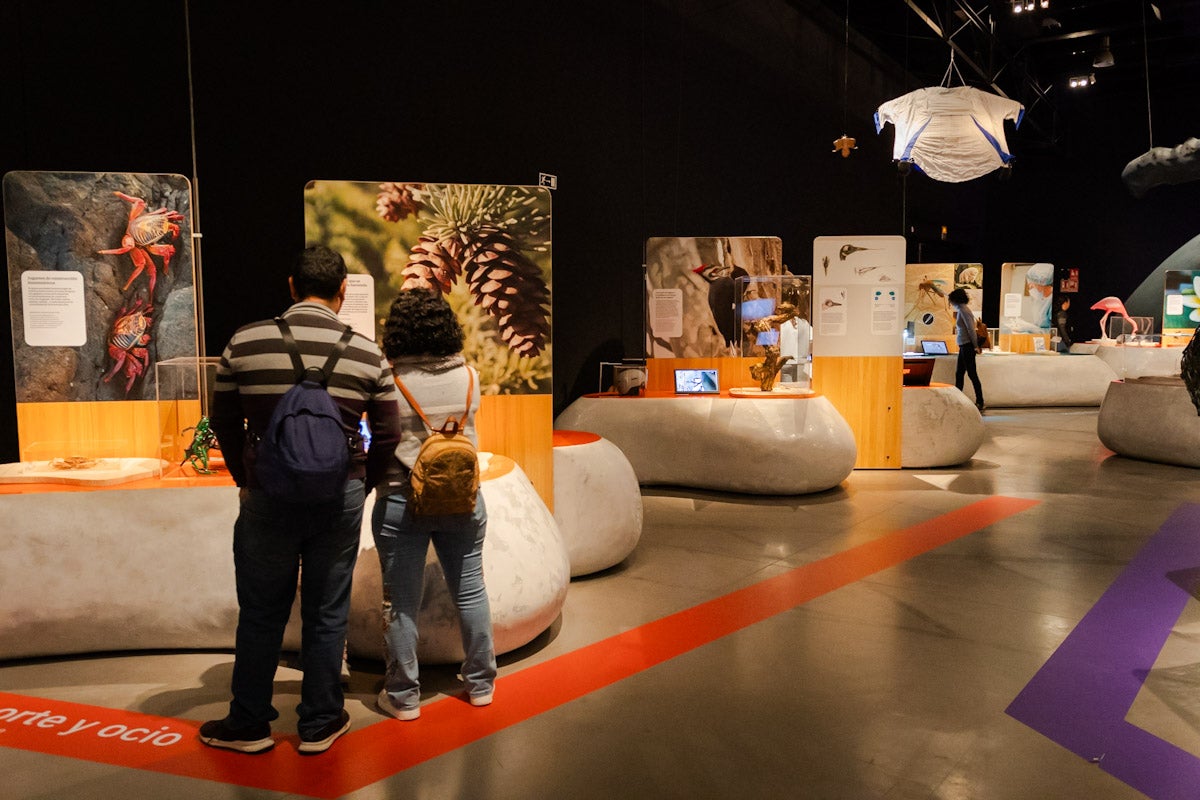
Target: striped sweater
x=255 y=370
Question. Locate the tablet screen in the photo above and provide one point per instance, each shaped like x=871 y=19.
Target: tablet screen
x=696 y=381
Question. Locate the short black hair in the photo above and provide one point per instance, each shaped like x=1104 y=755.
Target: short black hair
x=318 y=272
x=421 y=323
x=959 y=297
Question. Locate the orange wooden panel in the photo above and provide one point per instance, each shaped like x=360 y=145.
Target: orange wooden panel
x=174 y=417
x=867 y=391
x=521 y=426
x=1022 y=342
x=732 y=372
x=110 y=429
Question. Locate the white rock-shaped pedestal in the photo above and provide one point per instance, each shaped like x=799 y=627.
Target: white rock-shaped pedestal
x=153 y=569
x=1152 y=419
x=1047 y=380
x=768 y=445
x=597 y=501
x=940 y=427
x=525 y=569
x=117 y=569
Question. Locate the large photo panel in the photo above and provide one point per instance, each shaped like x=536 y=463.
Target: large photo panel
x=100 y=281
x=691 y=288
x=488 y=249
x=927 y=291
x=102 y=288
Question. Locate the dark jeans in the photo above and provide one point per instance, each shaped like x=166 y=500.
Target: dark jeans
x=966 y=366
x=271 y=540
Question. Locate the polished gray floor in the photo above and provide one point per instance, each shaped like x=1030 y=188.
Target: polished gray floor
x=893 y=686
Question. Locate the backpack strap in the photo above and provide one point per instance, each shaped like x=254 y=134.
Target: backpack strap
x=289 y=343
x=460 y=424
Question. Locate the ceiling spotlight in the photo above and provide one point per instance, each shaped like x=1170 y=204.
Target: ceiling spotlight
x=1081 y=81
x=1018 y=6
x=1030 y=5
x=1045 y=4
x=1104 y=58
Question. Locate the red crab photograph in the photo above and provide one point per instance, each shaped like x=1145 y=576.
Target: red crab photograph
x=129 y=236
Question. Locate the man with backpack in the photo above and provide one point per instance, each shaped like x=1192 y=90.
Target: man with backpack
x=289 y=395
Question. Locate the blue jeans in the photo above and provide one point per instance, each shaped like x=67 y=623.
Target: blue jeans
x=271 y=540
x=402 y=539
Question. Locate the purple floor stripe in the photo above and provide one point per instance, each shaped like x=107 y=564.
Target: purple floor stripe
x=1079 y=698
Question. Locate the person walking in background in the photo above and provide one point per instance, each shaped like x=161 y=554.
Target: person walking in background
x=272 y=536
x=968 y=344
x=423 y=341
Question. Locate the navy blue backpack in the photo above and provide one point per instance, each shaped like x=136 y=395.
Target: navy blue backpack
x=303 y=455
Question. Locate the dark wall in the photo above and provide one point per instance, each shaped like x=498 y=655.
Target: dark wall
x=659 y=118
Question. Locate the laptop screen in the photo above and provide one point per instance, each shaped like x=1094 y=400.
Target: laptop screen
x=696 y=381
x=934 y=347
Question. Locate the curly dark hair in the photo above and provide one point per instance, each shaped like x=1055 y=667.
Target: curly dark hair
x=421 y=323
x=958 y=297
x=318 y=272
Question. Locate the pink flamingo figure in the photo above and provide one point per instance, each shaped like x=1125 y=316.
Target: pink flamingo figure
x=1110 y=305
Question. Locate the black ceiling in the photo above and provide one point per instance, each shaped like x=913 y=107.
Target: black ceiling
x=1030 y=56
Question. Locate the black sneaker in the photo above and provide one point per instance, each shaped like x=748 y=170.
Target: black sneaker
x=320 y=741
x=250 y=739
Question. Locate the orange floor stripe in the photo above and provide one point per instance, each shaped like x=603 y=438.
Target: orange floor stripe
x=367 y=755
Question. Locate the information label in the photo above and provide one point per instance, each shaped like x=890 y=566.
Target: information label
x=52 y=305
x=831 y=311
x=885 y=312
x=1012 y=305
x=666 y=313
x=358 y=309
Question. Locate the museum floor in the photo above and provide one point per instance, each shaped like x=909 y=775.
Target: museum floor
x=879 y=672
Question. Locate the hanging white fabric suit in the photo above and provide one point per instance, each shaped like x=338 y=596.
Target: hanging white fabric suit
x=952 y=134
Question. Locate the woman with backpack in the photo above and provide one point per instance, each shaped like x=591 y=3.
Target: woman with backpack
x=423 y=342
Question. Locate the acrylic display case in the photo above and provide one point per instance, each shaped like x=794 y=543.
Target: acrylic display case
x=183 y=450
x=1132 y=331
x=627 y=378
x=774 y=315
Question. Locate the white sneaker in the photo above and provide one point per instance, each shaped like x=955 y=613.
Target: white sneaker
x=482 y=699
x=387 y=706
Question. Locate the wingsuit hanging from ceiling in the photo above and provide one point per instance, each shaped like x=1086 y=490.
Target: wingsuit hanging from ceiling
x=952 y=134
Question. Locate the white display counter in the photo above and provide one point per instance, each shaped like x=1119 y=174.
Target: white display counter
x=762 y=445
x=142 y=569
x=1030 y=380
